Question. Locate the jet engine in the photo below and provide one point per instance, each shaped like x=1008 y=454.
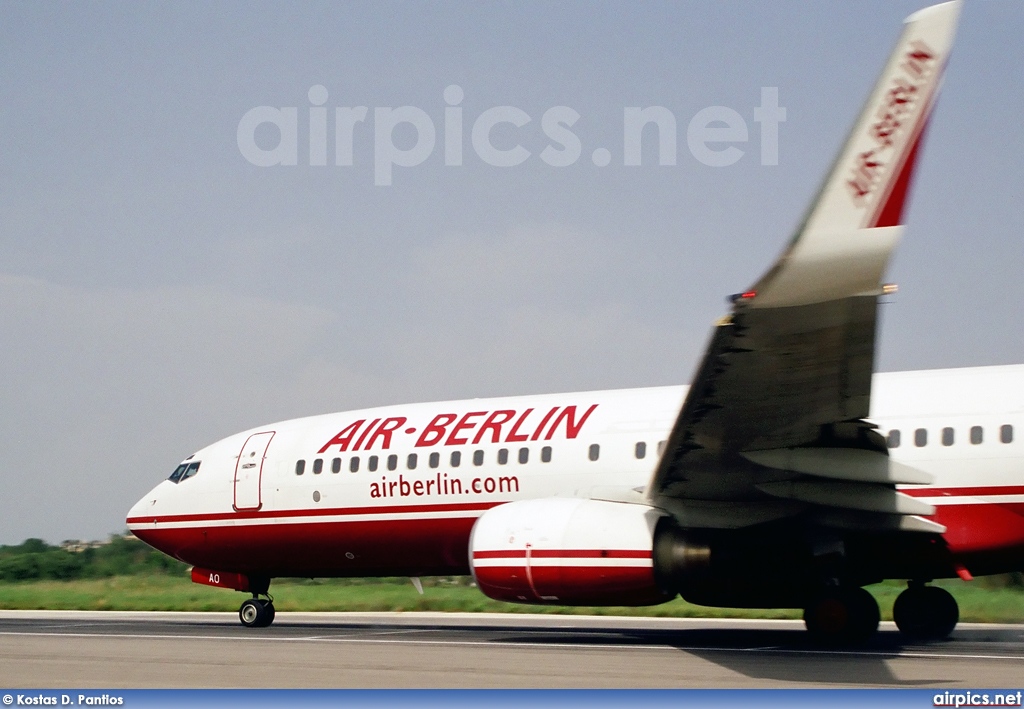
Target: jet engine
x=571 y=551
x=568 y=551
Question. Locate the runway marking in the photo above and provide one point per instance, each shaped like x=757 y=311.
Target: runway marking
x=73 y=624
x=340 y=636
x=520 y=644
x=395 y=632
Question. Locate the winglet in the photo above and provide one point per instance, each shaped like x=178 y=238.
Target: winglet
x=868 y=185
x=850 y=230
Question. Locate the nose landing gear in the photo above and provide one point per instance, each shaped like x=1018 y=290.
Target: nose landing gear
x=257 y=612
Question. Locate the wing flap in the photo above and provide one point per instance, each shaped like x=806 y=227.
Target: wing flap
x=709 y=514
x=876 y=522
x=851 y=464
x=867 y=497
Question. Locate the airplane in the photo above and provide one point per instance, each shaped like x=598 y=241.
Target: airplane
x=787 y=475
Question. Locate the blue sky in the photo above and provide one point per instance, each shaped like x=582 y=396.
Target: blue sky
x=158 y=291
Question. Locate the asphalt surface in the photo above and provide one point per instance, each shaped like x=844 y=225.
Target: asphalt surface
x=58 y=649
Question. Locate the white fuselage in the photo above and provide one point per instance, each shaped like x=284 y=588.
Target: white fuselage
x=395 y=490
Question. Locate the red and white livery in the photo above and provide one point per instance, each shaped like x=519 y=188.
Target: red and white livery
x=787 y=474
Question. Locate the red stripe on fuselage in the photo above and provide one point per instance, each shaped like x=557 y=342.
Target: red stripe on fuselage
x=297 y=543
x=988 y=491
x=349 y=548
x=331 y=512
x=973 y=529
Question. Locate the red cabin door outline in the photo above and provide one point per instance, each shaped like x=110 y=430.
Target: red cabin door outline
x=249 y=471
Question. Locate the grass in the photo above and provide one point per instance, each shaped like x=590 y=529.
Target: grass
x=978 y=602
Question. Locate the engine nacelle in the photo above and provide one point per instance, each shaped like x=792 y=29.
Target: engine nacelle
x=567 y=551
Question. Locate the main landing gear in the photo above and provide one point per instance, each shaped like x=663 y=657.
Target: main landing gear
x=925 y=612
x=257 y=612
x=842 y=615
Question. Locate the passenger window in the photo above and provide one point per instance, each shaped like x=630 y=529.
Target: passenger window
x=502 y=456
x=524 y=455
x=947 y=436
x=336 y=465
x=318 y=466
x=921 y=437
x=976 y=434
x=893 y=440
x=661 y=447
x=191 y=470
x=392 y=462
x=456 y=458
x=410 y=462
x=1006 y=433
x=641 y=450
x=371 y=463
x=300 y=467
x=435 y=460
x=545 y=454
x=478 y=457
x=353 y=464
x=595 y=451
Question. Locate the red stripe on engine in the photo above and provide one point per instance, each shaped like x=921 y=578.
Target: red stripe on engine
x=572 y=585
x=564 y=554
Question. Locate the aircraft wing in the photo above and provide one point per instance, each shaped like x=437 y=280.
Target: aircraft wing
x=774 y=424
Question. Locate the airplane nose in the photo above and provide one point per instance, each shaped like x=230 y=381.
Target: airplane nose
x=136 y=511
x=143 y=511
x=142 y=519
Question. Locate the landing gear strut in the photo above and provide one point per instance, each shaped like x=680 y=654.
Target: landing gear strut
x=925 y=612
x=842 y=615
x=257 y=612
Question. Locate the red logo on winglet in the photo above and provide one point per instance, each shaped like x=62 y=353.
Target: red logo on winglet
x=898 y=107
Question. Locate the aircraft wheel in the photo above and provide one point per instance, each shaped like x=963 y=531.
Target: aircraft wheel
x=926 y=613
x=268 y=609
x=253 y=613
x=841 y=616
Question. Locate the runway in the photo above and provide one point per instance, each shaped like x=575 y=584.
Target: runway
x=58 y=649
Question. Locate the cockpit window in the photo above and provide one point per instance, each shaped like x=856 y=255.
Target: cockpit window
x=184 y=471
